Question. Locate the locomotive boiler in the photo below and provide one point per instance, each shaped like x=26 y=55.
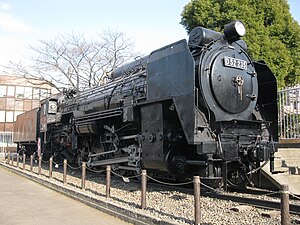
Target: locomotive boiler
x=197 y=107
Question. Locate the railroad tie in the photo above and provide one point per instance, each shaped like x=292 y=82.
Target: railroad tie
x=241 y=208
x=271 y=214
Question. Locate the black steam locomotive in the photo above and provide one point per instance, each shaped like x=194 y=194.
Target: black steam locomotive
x=201 y=107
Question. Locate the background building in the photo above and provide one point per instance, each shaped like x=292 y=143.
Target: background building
x=18 y=95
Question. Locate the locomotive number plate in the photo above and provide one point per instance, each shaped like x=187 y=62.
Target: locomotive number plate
x=235 y=63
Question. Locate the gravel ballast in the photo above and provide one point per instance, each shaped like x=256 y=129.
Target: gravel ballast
x=162 y=202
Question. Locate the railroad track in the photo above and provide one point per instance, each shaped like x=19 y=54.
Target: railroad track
x=261 y=203
x=273 y=204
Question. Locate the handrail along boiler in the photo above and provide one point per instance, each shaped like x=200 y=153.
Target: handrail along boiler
x=201 y=107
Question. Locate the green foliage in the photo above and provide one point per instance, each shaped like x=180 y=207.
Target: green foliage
x=272 y=33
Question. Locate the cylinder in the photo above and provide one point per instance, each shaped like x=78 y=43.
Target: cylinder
x=196 y=182
x=108 y=175
x=144 y=188
x=285 y=215
x=50 y=166
x=65 y=172
x=83 y=176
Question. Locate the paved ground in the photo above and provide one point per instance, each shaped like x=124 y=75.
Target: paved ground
x=27 y=203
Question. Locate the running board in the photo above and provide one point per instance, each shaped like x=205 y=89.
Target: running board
x=108 y=162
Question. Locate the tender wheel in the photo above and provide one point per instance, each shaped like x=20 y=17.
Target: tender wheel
x=239 y=178
x=213 y=182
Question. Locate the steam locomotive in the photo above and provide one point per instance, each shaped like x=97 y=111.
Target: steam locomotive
x=197 y=107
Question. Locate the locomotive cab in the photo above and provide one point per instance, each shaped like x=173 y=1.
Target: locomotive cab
x=49 y=112
x=52 y=133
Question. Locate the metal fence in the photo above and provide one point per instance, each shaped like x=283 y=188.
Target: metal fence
x=289 y=110
x=6 y=142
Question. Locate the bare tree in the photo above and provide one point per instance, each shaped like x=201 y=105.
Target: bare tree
x=73 y=61
x=21 y=70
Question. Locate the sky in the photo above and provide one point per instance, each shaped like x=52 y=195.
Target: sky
x=149 y=24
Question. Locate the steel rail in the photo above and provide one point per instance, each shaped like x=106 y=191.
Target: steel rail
x=260 y=203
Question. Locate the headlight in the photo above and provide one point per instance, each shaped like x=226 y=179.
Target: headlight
x=52 y=107
x=234 y=30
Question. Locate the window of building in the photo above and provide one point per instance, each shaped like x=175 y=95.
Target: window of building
x=10 y=104
x=35 y=104
x=36 y=93
x=19 y=104
x=20 y=92
x=10 y=91
x=2 y=90
x=9 y=116
x=44 y=93
x=27 y=105
x=28 y=92
x=2 y=116
x=9 y=126
x=2 y=104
